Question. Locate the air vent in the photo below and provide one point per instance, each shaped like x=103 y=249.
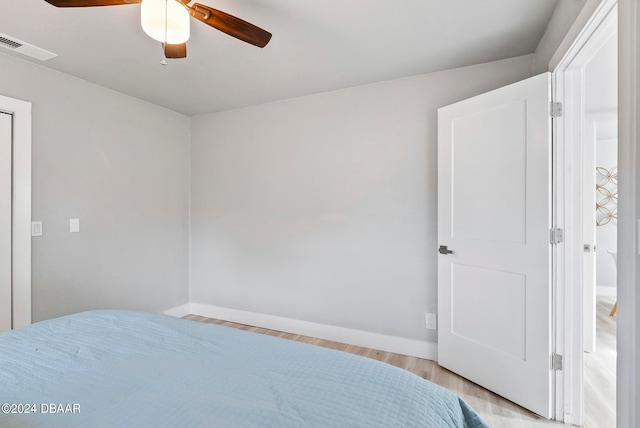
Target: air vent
x=11 y=44
x=25 y=48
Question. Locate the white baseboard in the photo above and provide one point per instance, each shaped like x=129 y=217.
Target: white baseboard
x=603 y=290
x=179 y=311
x=382 y=342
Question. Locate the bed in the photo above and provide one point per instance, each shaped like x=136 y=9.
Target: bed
x=136 y=369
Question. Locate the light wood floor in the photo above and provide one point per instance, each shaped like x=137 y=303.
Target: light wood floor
x=495 y=410
x=600 y=370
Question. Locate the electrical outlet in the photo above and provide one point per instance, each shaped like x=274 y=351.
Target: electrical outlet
x=430 y=321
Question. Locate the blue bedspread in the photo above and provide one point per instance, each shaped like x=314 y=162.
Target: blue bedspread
x=133 y=369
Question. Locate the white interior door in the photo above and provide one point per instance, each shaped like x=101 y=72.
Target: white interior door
x=5 y=222
x=494 y=213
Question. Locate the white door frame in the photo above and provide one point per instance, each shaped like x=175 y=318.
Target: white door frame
x=6 y=180
x=595 y=24
x=21 y=228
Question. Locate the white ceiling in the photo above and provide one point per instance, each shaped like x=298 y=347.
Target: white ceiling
x=317 y=46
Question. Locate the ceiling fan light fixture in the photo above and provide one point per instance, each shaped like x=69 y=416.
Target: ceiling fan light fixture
x=166 y=21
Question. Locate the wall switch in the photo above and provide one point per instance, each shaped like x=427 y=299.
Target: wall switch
x=36 y=228
x=430 y=321
x=74 y=225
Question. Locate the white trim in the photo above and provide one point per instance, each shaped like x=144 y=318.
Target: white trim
x=603 y=290
x=189 y=211
x=382 y=342
x=179 y=311
x=568 y=335
x=21 y=251
x=578 y=29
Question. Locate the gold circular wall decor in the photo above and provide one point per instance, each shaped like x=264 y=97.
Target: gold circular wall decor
x=607 y=192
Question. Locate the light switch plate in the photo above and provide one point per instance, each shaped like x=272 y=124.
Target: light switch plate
x=36 y=228
x=74 y=225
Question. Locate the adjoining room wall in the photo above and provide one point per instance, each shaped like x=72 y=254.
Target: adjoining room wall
x=120 y=166
x=601 y=108
x=606 y=234
x=323 y=208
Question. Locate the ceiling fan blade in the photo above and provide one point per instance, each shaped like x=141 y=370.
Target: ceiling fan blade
x=89 y=3
x=231 y=25
x=175 y=51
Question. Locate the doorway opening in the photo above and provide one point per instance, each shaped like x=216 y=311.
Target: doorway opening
x=20 y=250
x=5 y=221
x=600 y=233
x=586 y=189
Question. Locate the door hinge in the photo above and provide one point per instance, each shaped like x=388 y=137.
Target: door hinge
x=556 y=235
x=556 y=110
x=556 y=362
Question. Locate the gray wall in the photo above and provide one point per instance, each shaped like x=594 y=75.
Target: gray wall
x=323 y=208
x=628 y=315
x=119 y=165
x=561 y=21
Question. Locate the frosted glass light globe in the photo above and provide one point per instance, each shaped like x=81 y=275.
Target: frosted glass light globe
x=166 y=21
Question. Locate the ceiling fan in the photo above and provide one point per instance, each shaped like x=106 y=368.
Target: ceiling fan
x=168 y=22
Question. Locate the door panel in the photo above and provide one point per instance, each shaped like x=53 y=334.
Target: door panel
x=494 y=212
x=498 y=187
x=5 y=222
x=470 y=321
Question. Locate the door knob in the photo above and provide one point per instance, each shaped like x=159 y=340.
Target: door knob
x=444 y=250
